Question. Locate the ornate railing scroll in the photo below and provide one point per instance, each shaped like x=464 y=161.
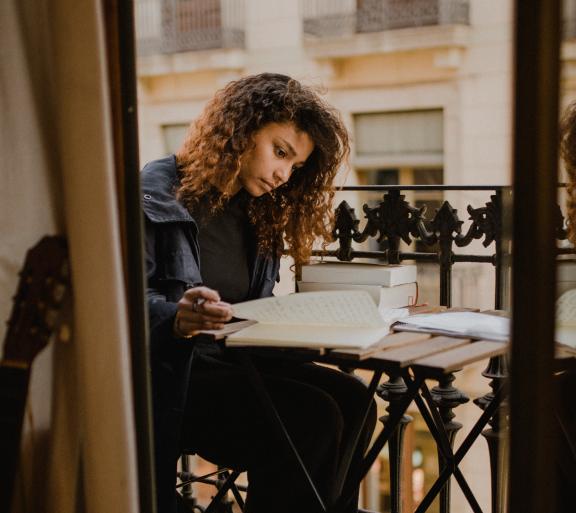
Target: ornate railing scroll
x=394 y=220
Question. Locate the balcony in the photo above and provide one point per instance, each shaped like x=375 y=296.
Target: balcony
x=323 y=18
x=172 y=26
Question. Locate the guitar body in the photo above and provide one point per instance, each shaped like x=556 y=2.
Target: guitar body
x=13 y=393
x=34 y=318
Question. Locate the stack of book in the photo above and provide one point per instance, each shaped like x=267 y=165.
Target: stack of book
x=390 y=286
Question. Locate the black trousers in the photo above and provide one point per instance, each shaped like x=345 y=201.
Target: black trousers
x=224 y=422
x=566 y=443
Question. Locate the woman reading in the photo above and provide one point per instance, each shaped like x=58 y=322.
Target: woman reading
x=252 y=179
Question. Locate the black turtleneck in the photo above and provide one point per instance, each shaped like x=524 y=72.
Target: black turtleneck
x=225 y=240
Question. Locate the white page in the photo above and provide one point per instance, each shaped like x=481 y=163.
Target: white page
x=466 y=323
x=279 y=335
x=342 y=308
x=566 y=335
x=566 y=318
x=566 y=309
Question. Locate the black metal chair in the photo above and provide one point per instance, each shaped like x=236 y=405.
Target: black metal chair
x=224 y=481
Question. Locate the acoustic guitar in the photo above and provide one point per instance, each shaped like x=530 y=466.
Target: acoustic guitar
x=35 y=317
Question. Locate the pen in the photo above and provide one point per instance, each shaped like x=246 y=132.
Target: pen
x=197 y=302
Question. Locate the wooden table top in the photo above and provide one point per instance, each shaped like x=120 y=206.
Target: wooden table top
x=420 y=351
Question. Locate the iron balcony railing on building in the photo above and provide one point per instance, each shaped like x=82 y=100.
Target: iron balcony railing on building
x=393 y=220
x=440 y=235
x=443 y=239
x=325 y=18
x=171 y=26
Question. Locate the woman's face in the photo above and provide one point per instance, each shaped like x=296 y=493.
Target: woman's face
x=278 y=149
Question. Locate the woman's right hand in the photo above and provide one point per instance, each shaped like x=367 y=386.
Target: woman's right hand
x=200 y=309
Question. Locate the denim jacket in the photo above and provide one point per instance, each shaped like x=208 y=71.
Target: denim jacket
x=172 y=266
x=172 y=250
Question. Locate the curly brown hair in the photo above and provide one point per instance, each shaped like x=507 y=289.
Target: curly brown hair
x=568 y=153
x=300 y=210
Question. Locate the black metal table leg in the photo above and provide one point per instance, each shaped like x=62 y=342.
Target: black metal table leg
x=496 y=434
x=435 y=425
x=447 y=397
x=356 y=474
x=393 y=391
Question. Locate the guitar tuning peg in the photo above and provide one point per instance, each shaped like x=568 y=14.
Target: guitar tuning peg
x=64 y=333
x=58 y=293
x=51 y=317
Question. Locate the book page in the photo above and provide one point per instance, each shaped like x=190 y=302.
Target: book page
x=566 y=318
x=318 y=337
x=472 y=324
x=341 y=308
x=566 y=335
x=566 y=309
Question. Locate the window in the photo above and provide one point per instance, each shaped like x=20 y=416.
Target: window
x=399 y=138
x=405 y=148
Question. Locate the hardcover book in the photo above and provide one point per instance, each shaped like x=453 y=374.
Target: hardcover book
x=566 y=320
x=399 y=296
x=359 y=274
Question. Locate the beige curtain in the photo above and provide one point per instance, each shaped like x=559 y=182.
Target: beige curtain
x=58 y=176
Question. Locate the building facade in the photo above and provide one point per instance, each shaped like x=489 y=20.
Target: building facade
x=424 y=86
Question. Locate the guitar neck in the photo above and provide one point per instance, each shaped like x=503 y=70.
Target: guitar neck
x=13 y=391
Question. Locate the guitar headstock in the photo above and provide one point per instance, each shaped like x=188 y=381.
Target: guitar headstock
x=43 y=286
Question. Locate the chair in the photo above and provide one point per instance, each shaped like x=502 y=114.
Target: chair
x=223 y=479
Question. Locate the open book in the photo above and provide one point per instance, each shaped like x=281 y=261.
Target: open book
x=566 y=318
x=343 y=319
x=464 y=324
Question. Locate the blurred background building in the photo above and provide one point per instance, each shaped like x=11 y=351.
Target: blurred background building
x=425 y=88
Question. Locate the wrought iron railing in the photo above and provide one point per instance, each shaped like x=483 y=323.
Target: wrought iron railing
x=340 y=17
x=393 y=220
x=329 y=18
x=374 y=15
x=170 y=26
